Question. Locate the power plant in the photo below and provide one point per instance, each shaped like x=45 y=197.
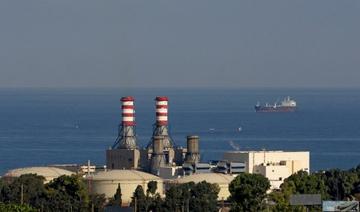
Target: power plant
x=160 y=155
x=161 y=160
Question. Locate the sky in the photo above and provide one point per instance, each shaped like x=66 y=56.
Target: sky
x=189 y=43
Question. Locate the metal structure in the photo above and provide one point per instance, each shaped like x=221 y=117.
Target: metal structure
x=126 y=137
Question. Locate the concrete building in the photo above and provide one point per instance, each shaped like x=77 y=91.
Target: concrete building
x=49 y=173
x=106 y=182
x=122 y=158
x=222 y=180
x=275 y=165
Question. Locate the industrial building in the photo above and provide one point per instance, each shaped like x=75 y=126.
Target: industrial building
x=161 y=156
x=275 y=165
x=106 y=182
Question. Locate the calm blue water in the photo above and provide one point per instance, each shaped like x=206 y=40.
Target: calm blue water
x=48 y=126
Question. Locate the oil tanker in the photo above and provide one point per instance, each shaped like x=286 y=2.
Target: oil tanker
x=287 y=105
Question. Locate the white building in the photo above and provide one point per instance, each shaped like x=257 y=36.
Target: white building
x=275 y=165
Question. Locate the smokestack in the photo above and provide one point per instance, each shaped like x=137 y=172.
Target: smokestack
x=161 y=110
x=128 y=111
x=192 y=154
x=161 y=125
x=158 y=158
x=126 y=137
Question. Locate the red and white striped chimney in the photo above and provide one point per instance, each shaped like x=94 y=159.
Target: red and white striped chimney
x=161 y=110
x=128 y=111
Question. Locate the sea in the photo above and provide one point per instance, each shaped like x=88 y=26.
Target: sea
x=45 y=126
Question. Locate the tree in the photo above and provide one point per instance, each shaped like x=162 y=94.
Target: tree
x=248 y=191
x=305 y=183
x=3 y=188
x=67 y=193
x=193 y=197
x=117 y=197
x=153 y=200
x=340 y=183
x=138 y=199
x=15 y=207
x=152 y=187
x=97 y=202
x=299 y=183
x=174 y=198
x=26 y=189
x=204 y=197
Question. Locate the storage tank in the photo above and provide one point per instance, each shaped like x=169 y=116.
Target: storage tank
x=106 y=182
x=222 y=180
x=49 y=173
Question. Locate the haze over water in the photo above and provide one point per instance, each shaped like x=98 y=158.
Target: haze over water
x=52 y=126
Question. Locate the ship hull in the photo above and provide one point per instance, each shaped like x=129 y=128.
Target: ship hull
x=264 y=109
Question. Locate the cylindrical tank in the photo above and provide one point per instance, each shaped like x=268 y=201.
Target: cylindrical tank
x=106 y=182
x=193 y=144
x=127 y=107
x=158 y=146
x=161 y=110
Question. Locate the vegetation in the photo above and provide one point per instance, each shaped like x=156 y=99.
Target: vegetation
x=28 y=193
x=139 y=199
x=333 y=184
x=299 y=183
x=66 y=193
x=248 y=192
x=116 y=200
x=26 y=189
x=192 y=197
x=151 y=201
x=15 y=208
x=183 y=197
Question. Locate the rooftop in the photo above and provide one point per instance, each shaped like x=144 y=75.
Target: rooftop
x=208 y=177
x=47 y=172
x=124 y=174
